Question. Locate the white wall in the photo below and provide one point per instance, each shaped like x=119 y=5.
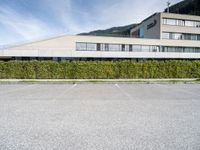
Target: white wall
x=65 y=46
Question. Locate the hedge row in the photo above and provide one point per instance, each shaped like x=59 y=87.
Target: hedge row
x=99 y=69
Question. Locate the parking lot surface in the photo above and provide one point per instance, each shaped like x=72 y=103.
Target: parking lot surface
x=88 y=116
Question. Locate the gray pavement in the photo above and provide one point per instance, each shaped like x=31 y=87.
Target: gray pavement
x=88 y=116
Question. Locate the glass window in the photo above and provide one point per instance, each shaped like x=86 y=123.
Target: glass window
x=188 y=50
x=127 y=48
x=130 y=48
x=198 y=37
x=180 y=36
x=98 y=47
x=189 y=23
x=165 y=35
x=187 y=37
x=91 y=47
x=141 y=32
x=170 y=49
x=171 y=22
x=177 y=36
x=179 y=49
x=154 y=48
x=198 y=24
x=123 y=47
x=136 y=48
x=104 y=47
x=193 y=37
x=81 y=46
x=145 y=48
x=180 y=22
x=114 y=47
x=164 y=21
x=197 y=50
x=164 y=49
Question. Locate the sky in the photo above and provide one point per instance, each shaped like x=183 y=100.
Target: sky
x=27 y=20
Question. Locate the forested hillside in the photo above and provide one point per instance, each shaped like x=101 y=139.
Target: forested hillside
x=191 y=7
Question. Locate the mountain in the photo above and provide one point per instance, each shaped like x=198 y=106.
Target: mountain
x=190 y=7
x=122 y=31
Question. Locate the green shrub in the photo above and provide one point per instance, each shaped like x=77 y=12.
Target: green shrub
x=99 y=69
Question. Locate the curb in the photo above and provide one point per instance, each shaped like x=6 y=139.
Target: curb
x=175 y=80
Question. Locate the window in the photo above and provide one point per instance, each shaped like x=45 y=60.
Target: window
x=178 y=22
x=127 y=48
x=98 y=47
x=189 y=23
x=104 y=47
x=81 y=46
x=189 y=50
x=177 y=36
x=180 y=36
x=165 y=35
x=197 y=50
x=198 y=24
x=114 y=47
x=193 y=37
x=123 y=47
x=130 y=48
x=180 y=49
x=171 y=22
x=164 y=49
x=198 y=37
x=145 y=48
x=187 y=37
x=164 y=21
x=91 y=47
x=154 y=49
x=136 y=48
x=141 y=32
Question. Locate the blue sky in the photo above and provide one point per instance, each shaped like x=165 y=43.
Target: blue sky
x=24 y=20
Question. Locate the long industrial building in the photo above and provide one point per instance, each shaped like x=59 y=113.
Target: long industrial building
x=160 y=36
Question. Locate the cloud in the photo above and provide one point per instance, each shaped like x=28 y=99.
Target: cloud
x=26 y=20
x=128 y=11
x=25 y=27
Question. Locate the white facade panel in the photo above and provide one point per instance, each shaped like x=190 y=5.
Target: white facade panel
x=20 y=53
x=67 y=48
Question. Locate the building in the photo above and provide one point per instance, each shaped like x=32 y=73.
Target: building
x=160 y=36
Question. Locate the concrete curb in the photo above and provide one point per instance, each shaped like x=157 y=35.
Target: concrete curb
x=174 y=80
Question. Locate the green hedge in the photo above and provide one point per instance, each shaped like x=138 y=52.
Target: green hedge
x=99 y=69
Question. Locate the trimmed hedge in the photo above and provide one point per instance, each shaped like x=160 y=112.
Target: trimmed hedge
x=99 y=69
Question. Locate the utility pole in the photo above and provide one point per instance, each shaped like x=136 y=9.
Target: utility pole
x=168 y=5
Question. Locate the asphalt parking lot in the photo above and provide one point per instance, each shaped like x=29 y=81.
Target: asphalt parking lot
x=88 y=116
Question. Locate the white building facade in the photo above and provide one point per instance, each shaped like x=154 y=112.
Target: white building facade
x=161 y=36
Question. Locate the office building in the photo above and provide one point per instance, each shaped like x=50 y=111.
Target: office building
x=160 y=36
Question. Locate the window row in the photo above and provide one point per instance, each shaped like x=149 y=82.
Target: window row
x=180 y=49
x=178 y=22
x=180 y=36
x=115 y=47
x=133 y=48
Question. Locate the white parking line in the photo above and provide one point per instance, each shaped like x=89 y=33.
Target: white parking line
x=124 y=92
x=63 y=93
